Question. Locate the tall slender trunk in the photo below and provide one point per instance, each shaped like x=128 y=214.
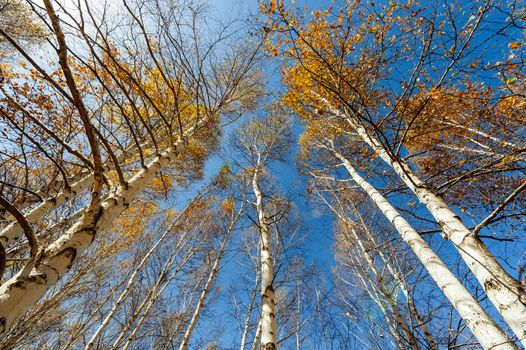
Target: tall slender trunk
x=173 y=332
x=390 y=317
x=146 y=304
x=26 y=287
x=209 y=282
x=249 y=313
x=298 y=315
x=46 y=233
x=143 y=309
x=79 y=183
x=79 y=332
x=124 y=294
x=477 y=320
x=255 y=342
x=400 y=280
x=13 y=230
x=501 y=288
x=383 y=291
x=268 y=305
x=431 y=342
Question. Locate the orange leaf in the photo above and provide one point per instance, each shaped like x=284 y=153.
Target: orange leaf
x=272 y=6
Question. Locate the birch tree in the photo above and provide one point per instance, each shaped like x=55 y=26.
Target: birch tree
x=129 y=103
x=480 y=323
x=340 y=65
x=292 y=283
x=370 y=259
x=234 y=215
x=259 y=143
x=243 y=293
x=96 y=304
x=379 y=289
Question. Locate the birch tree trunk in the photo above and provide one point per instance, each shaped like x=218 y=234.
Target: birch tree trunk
x=268 y=306
x=124 y=294
x=14 y=229
x=501 y=288
x=157 y=292
x=403 y=285
x=26 y=287
x=383 y=291
x=255 y=342
x=80 y=183
x=210 y=280
x=378 y=286
x=162 y=282
x=482 y=326
x=390 y=317
x=249 y=313
x=298 y=313
x=479 y=132
x=400 y=280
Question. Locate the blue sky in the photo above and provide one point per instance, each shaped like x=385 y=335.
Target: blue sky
x=316 y=223
x=288 y=179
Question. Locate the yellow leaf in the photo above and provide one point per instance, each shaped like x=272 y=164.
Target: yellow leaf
x=272 y=6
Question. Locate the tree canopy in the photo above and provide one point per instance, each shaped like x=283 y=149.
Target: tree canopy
x=335 y=175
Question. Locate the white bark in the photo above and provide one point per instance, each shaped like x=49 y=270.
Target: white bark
x=501 y=288
x=209 y=282
x=249 y=313
x=477 y=320
x=82 y=182
x=79 y=332
x=268 y=305
x=25 y=288
x=256 y=336
x=161 y=283
x=147 y=303
x=298 y=316
x=400 y=280
x=378 y=298
x=62 y=224
x=378 y=286
x=156 y=292
x=470 y=150
x=124 y=294
x=381 y=289
x=13 y=230
x=499 y=141
x=405 y=290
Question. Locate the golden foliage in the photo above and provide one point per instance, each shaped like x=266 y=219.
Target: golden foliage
x=20 y=23
x=224 y=178
x=228 y=206
x=134 y=221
